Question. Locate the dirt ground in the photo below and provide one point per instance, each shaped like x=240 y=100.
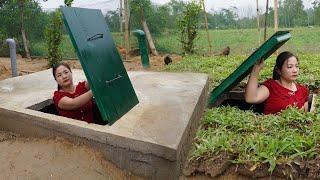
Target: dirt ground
x=52 y=158
x=57 y=158
x=25 y=66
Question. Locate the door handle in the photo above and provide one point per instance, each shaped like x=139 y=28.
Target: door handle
x=96 y=36
x=110 y=81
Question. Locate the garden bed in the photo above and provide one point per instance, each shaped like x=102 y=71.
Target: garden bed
x=249 y=144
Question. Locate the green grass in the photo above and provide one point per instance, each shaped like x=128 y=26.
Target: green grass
x=241 y=42
x=252 y=138
x=258 y=139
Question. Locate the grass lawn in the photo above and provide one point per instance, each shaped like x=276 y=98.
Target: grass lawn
x=241 y=42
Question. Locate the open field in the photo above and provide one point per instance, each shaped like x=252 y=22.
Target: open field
x=241 y=42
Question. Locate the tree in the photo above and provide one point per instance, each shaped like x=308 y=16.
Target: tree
x=34 y=22
x=22 y=28
x=293 y=13
x=176 y=8
x=141 y=7
x=112 y=18
x=68 y=2
x=188 y=25
x=316 y=7
x=54 y=37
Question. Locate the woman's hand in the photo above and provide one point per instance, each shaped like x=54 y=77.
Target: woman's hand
x=257 y=67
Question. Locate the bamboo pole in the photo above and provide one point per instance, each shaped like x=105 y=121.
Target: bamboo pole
x=207 y=29
x=265 y=21
x=22 y=29
x=276 y=18
x=126 y=28
x=258 y=24
x=276 y=22
x=121 y=23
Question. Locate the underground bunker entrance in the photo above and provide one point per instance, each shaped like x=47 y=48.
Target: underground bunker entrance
x=48 y=106
x=236 y=99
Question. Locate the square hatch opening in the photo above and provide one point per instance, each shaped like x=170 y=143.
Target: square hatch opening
x=48 y=106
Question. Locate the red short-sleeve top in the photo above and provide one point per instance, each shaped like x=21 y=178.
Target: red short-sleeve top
x=84 y=113
x=280 y=97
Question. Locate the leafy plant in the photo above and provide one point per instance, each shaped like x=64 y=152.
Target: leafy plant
x=68 y=2
x=258 y=139
x=54 y=37
x=188 y=26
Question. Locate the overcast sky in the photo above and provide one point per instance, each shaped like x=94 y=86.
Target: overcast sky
x=243 y=5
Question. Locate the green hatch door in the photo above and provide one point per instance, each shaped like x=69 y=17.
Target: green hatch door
x=100 y=61
x=264 y=51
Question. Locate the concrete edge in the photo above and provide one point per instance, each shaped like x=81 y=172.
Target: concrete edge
x=191 y=129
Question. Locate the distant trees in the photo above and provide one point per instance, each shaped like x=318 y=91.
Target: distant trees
x=113 y=20
x=27 y=15
x=291 y=13
x=316 y=8
x=33 y=18
x=188 y=26
x=160 y=18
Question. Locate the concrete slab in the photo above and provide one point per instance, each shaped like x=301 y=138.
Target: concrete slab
x=151 y=140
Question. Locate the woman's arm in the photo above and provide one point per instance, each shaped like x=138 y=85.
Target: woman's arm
x=67 y=103
x=253 y=93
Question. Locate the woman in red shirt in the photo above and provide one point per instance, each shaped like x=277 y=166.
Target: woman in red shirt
x=72 y=101
x=281 y=91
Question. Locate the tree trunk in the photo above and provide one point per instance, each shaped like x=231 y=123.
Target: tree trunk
x=265 y=21
x=23 y=32
x=206 y=23
x=258 y=24
x=148 y=34
x=121 y=23
x=276 y=24
x=126 y=28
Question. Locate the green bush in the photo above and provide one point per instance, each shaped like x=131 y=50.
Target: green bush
x=4 y=51
x=53 y=34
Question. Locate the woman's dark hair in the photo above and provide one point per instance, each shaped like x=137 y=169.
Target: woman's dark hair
x=282 y=57
x=55 y=67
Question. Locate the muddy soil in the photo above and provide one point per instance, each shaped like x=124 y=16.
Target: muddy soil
x=221 y=167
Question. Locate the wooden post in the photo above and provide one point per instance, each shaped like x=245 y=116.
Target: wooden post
x=265 y=21
x=206 y=23
x=258 y=24
x=126 y=28
x=23 y=32
x=121 y=23
x=276 y=23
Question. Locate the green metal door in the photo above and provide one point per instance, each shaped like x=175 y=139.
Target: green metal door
x=100 y=61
